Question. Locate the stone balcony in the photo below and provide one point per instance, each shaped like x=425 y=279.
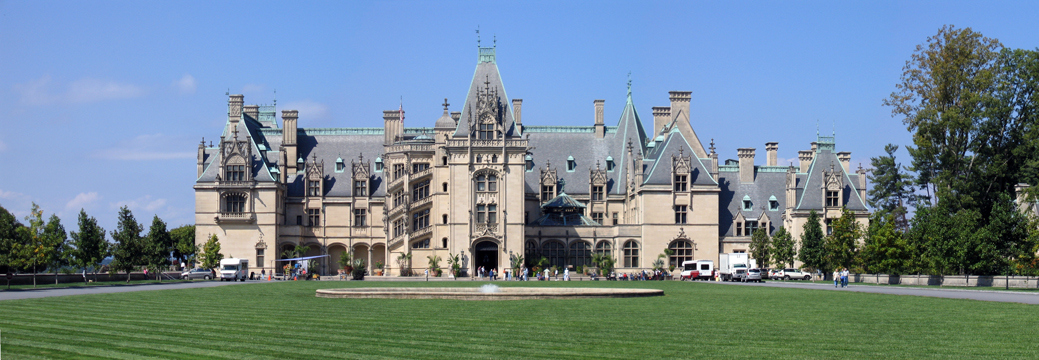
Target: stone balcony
x=421 y=232
x=422 y=202
x=233 y=217
x=421 y=174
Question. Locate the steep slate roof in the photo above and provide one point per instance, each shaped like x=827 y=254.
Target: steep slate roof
x=485 y=71
x=330 y=144
x=675 y=144
x=813 y=200
x=259 y=164
x=765 y=186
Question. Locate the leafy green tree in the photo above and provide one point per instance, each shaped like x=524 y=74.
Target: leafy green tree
x=783 y=251
x=884 y=249
x=812 y=253
x=33 y=253
x=57 y=243
x=10 y=236
x=159 y=247
x=185 y=249
x=761 y=247
x=90 y=246
x=130 y=249
x=211 y=256
x=842 y=245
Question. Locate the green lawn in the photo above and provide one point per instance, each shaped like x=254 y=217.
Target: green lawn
x=285 y=320
x=51 y=285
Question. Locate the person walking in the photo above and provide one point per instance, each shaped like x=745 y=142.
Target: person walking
x=844 y=277
x=836 y=278
x=566 y=274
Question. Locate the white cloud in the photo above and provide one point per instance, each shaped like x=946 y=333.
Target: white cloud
x=186 y=84
x=85 y=90
x=145 y=203
x=147 y=147
x=82 y=200
x=308 y=109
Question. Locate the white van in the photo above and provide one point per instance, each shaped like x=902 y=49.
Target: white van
x=697 y=270
x=234 y=269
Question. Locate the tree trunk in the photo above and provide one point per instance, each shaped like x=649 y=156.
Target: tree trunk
x=127 y=276
x=34 y=277
x=55 y=276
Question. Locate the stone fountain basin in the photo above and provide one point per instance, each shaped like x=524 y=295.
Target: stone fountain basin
x=476 y=293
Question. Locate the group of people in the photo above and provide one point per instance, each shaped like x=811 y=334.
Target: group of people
x=840 y=278
x=523 y=275
x=658 y=274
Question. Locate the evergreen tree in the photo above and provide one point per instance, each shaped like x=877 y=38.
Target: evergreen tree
x=10 y=237
x=841 y=246
x=761 y=247
x=812 y=253
x=783 y=248
x=57 y=243
x=885 y=250
x=185 y=249
x=160 y=247
x=211 y=256
x=130 y=248
x=90 y=246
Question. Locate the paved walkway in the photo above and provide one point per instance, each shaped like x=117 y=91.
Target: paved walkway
x=983 y=295
x=15 y=294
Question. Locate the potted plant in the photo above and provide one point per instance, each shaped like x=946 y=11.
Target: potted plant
x=454 y=264
x=434 y=265
x=358 y=271
x=346 y=261
x=378 y=268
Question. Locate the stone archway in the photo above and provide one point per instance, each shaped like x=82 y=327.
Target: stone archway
x=485 y=253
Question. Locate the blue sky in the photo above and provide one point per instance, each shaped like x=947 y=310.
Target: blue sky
x=102 y=104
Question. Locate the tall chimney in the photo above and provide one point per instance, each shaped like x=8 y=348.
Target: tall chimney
x=746 y=156
x=862 y=182
x=201 y=156
x=661 y=116
x=770 y=151
x=845 y=158
x=455 y=115
x=680 y=105
x=234 y=111
x=253 y=111
x=393 y=128
x=288 y=141
x=600 y=129
x=806 y=157
x=517 y=110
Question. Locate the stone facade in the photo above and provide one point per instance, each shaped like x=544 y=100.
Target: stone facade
x=483 y=185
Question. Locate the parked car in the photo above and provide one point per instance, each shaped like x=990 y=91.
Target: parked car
x=194 y=274
x=773 y=274
x=795 y=274
x=752 y=275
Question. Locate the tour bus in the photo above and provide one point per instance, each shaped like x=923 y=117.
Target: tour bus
x=234 y=269
x=697 y=270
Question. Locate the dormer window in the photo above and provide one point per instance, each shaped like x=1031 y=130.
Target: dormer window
x=833 y=198
x=597 y=192
x=571 y=165
x=681 y=182
x=609 y=163
x=773 y=203
x=378 y=164
x=360 y=187
x=486 y=132
x=300 y=166
x=340 y=166
x=236 y=173
x=529 y=163
x=747 y=204
x=313 y=188
x=548 y=192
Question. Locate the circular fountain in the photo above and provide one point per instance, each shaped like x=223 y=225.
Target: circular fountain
x=486 y=292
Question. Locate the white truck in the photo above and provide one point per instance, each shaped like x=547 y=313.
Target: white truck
x=698 y=270
x=733 y=266
x=233 y=269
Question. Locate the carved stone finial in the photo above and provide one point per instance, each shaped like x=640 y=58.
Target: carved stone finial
x=361 y=157
x=596 y=164
x=681 y=151
x=712 y=145
x=445 y=104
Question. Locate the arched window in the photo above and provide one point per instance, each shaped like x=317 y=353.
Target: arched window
x=683 y=251
x=631 y=254
x=555 y=252
x=580 y=253
x=234 y=203
x=481 y=182
x=603 y=247
x=443 y=243
x=531 y=251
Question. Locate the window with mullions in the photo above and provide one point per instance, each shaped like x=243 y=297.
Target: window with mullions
x=739 y=229
x=486 y=182
x=680 y=214
x=597 y=192
x=419 y=167
x=631 y=254
x=420 y=191
x=314 y=188
x=360 y=217
x=580 y=254
x=314 y=217
x=259 y=256
x=829 y=226
x=548 y=192
x=615 y=220
x=486 y=132
x=681 y=182
x=530 y=250
x=604 y=248
x=486 y=214
x=598 y=217
x=555 y=252
x=234 y=203
x=420 y=220
x=421 y=244
x=832 y=198
x=361 y=188
x=682 y=251
x=751 y=227
x=236 y=173
x=398 y=227
x=398 y=171
x=398 y=198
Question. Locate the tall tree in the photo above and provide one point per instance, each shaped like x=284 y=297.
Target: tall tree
x=130 y=248
x=211 y=256
x=34 y=252
x=892 y=190
x=184 y=239
x=842 y=245
x=783 y=248
x=57 y=243
x=942 y=98
x=10 y=237
x=761 y=247
x=90 y=245
x=884 y=249
x=812 y=253
x=160 y=247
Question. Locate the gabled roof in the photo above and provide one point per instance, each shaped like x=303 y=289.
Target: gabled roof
x=676 y=145
x=486 y=71
x=811 y=196
x=563 y=210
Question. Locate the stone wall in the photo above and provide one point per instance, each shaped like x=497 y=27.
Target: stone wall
x=948 y=280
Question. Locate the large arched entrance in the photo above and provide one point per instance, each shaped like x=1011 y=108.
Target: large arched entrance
x=485 y=254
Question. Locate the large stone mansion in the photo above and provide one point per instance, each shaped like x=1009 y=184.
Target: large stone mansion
x=482 y=184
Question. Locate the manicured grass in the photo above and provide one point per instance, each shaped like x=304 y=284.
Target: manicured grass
x=51 y=285
x=978 y=288
x=285 y=320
